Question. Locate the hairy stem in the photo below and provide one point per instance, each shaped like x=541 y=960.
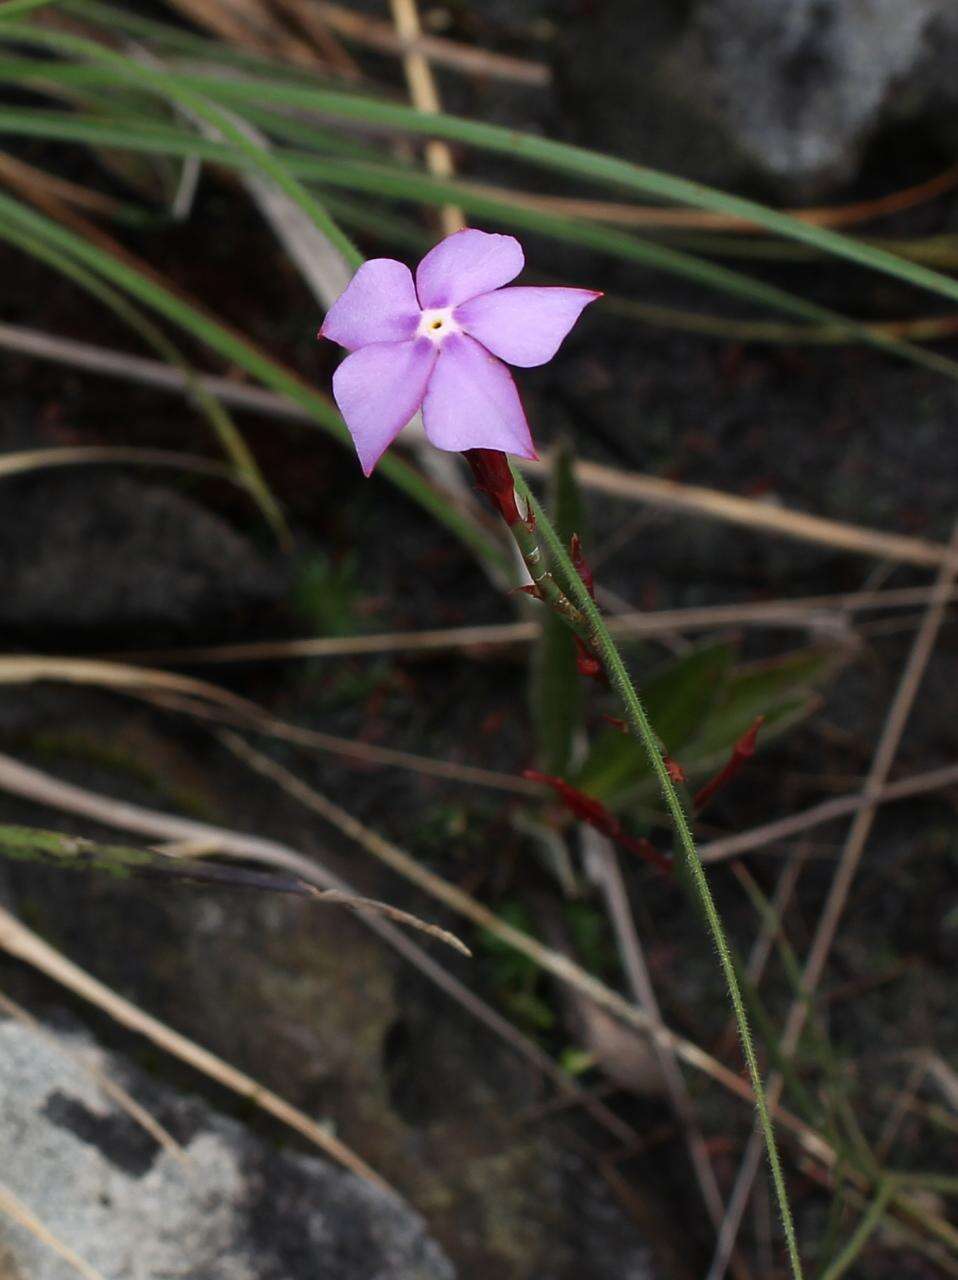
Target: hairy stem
x=545 y=584
x=639 y=722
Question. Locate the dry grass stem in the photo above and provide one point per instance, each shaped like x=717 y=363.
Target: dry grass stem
x=32 y=784
x=819 y=814
x=355 y=902
x=145 y=371
x=771 y=926
x=376 y=34
x=26 y=460
x=671 y=495
x=191 y=837
x=321 y=265
x=945 y=1077
x=252 y=25
x=351 y=749
x=604 y=864
x=425 y=97
x=322 y=36
x=900 y=1109
x=769 y=930
x=19 y=175
x=208 y=701
x=810 y=1142
x=549 y=960
x=668 y=495
x=18 y=1212
x=825 y=614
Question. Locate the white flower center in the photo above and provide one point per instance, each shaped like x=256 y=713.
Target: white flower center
x=437 y=324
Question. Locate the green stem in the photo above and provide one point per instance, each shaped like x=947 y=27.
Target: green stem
x=639 y=721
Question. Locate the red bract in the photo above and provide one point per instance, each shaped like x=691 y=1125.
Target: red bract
x=674 y=769
x=587 y=664
x=743 y=750
x=490 y=469
x=581 y=565
x=593 y=812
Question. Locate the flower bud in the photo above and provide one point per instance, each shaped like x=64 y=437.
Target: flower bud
x=490 y=468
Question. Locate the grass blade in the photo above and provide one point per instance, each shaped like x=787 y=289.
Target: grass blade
x=563 y=157
x=408 y=183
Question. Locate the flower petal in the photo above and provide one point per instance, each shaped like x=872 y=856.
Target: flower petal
x=472 y=402
x=521 y=325
x=378 y=305
x=465 y=264
x=378 y=390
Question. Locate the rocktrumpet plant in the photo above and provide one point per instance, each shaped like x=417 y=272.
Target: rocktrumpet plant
x=441 y=343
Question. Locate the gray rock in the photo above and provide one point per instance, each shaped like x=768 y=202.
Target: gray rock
x=788 y=92
x=800 y=86
x=313 y=1006
x=98 y=554
x=238 y=1211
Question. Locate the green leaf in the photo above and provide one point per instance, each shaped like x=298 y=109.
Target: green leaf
x=556 y=701
x=593 y=943
x=556 y=695
x=701 y=706
x=778 y=720
x=777 y=689
x=678 y=699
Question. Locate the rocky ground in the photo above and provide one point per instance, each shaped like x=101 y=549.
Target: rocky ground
x=210 y=1201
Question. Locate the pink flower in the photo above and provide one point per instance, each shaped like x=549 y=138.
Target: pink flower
x=439 y=344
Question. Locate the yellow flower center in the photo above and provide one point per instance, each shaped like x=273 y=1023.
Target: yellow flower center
x=437 y=324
